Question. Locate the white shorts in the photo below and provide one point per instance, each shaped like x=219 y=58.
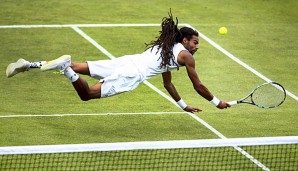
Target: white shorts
x=117 y=76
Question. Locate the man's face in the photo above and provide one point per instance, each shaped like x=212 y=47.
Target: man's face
x=191 y=45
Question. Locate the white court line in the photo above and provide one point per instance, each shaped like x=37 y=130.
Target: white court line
x=90 y=114
x=79 y=25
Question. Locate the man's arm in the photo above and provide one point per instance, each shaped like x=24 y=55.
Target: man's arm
x=169 y=86
x=189 y=63
x=193 y=76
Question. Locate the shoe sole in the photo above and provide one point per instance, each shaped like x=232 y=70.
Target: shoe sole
x=52 y=65
x=10 y=69
x=15 y=68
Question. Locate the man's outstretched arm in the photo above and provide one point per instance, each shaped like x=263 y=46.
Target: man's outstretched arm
x=199 y=86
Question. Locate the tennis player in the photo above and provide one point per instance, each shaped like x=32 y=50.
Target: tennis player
x=174 y=48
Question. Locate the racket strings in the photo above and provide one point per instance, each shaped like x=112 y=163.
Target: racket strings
x=268 y=95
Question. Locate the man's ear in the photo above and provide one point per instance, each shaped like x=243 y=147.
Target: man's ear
x=184 y=40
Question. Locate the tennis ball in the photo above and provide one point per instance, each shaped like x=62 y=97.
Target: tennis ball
x=223 y=30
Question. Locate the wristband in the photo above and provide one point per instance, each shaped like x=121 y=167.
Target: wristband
x=182 y=104
x=215 y=101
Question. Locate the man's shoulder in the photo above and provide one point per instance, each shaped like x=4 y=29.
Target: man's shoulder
x=177 y=49
x=185 y=57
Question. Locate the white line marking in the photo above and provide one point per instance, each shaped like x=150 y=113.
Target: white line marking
x=208 y=126
x=93 y=42
x=80 y=25
x=238 y=60
x=89 y=114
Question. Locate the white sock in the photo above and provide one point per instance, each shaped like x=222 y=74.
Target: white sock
x=36 y=64
x=70 y=74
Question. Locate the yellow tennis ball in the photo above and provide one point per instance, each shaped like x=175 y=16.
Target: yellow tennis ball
x=223 y=30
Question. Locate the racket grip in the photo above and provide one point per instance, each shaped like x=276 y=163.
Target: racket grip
x=233 y=102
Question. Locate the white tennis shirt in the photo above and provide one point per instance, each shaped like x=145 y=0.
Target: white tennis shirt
x=147 y=64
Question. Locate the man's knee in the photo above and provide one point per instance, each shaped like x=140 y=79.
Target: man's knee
x=90 y=95
x=84 y=97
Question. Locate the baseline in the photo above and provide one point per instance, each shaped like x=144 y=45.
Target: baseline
x=89 y=114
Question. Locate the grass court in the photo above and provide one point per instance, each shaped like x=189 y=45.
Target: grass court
x=42 y=108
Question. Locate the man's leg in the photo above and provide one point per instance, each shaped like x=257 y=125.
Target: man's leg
x=81 y=68
x=23 y=65
x=81 y=86
x=70 y=70
x=85 y=92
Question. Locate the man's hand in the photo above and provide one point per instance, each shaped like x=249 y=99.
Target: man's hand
x=192 y=109
x=223 y=105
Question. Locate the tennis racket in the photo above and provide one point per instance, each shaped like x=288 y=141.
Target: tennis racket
x=267 y=95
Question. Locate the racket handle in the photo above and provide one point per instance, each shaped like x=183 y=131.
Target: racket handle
x=233 y=102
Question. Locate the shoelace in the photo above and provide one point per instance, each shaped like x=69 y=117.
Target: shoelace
x=59 y=72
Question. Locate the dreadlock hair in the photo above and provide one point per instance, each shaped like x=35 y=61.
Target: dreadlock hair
x=187 y=33
x=168 y=36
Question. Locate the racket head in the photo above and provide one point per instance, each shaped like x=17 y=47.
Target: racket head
x=268 y=95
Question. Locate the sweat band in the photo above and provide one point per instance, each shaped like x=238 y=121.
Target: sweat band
x=215 y=101
x=182 y=104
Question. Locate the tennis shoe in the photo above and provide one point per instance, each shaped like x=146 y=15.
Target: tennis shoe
x=58 y=64
x=14 y=68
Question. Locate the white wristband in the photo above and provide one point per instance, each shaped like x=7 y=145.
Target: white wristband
x=215 y=101
x=182 y=104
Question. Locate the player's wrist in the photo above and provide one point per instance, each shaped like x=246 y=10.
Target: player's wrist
x=215 y=101
x=182 y=104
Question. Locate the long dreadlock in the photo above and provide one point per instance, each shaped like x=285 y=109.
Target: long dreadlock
x=168 y=36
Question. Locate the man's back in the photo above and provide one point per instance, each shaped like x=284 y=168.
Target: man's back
x=149 y=62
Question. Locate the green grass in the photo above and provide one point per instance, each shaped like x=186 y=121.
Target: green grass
x=260 y=33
